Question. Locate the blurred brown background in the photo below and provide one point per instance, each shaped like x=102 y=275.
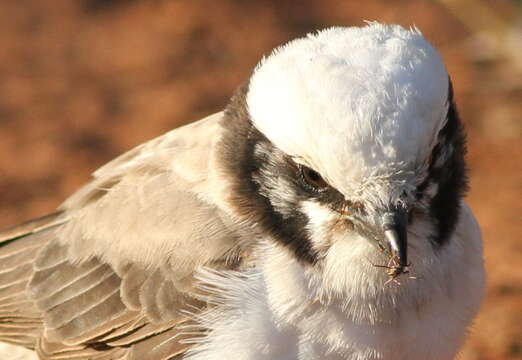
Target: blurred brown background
x=83 y=81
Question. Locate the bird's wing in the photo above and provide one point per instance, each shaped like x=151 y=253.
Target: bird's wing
x=111 y=275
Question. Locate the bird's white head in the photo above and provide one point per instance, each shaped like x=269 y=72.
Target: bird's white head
x=354 y=104
x=350 y=133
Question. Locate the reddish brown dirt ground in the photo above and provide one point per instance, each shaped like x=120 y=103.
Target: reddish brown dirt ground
x=82 y=81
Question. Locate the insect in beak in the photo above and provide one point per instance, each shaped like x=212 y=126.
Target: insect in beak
x=395 y=222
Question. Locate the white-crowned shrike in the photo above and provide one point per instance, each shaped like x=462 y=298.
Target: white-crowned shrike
x=319 y=216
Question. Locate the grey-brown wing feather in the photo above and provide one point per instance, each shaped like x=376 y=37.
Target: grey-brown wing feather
x=31 y=227
x=112 y=274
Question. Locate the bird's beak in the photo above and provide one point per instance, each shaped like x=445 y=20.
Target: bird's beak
x=395 y=223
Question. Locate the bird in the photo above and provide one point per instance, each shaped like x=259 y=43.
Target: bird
x=320 y=215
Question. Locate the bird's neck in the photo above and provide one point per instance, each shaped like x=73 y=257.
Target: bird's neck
x=357 y=289
x=363 y=313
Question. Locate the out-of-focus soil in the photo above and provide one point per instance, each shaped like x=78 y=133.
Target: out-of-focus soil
x=82 y=81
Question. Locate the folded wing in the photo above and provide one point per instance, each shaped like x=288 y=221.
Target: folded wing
x=111 y=275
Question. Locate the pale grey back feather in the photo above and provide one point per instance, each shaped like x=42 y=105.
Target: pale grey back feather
x=112 y=274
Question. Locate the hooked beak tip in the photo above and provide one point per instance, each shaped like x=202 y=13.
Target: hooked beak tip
x=395 y=233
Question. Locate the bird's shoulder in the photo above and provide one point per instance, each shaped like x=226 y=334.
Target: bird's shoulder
x=155 y=201
x=184 y=152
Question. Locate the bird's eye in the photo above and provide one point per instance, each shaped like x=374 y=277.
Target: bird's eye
x=311 y=179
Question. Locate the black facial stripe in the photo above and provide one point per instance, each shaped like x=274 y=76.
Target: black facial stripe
x=266 y=189
x=447 y=169
x=257 y=168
